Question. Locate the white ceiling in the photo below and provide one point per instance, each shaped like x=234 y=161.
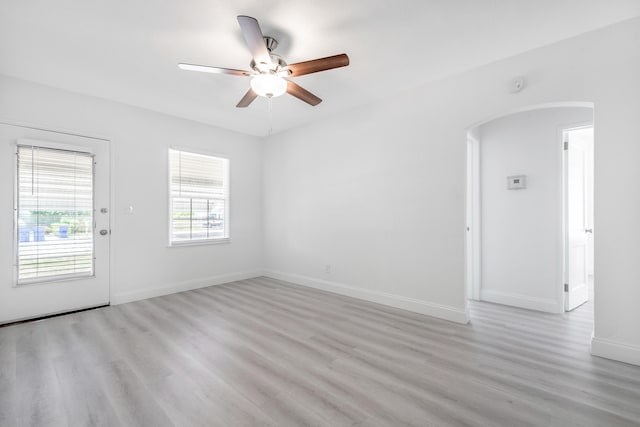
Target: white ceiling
x=127 y=50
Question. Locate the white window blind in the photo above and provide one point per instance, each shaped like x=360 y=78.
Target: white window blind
x=54 y=213
x=198 y=197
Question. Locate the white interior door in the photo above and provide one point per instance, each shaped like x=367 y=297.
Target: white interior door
x=576 y=241
x=472 y=243
x=55 y=228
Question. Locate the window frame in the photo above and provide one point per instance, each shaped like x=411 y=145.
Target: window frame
x=227 y=196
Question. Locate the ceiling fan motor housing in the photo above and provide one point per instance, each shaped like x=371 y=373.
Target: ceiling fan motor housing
x=277 y=63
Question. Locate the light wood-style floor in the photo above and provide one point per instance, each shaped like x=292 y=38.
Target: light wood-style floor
x=264 y=352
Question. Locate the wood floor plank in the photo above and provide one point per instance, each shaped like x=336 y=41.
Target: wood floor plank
x=262 y=352
x=133 y=402
x=37 y=392
x=8 y=415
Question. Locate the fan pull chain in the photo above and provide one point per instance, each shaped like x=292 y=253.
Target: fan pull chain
x=270 y=106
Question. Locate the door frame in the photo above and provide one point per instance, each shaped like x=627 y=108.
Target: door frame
x=473 y=213
x=565 y=199
x=111 y=183
x=473 y=200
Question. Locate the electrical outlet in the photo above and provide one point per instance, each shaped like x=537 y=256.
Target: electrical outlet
x=327 y=269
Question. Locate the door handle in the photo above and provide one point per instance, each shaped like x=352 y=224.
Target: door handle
x=104 y=232
x=588 y=230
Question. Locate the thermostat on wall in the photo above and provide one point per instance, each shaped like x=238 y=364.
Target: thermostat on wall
x=516 y=182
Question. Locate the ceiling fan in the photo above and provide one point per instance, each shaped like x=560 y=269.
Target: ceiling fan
x=269 y=69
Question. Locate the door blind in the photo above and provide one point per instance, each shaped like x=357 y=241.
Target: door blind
x=54 y=214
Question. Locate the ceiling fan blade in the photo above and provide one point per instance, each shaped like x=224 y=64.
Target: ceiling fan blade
x=214 y=70
x=321 y=64
x=254 y=38
x=302 y=94
x=247 y=99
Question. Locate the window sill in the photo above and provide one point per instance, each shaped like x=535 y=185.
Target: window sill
x=200 y=242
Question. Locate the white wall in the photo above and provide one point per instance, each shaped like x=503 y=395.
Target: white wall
x=141 y=263
x=521 y=231
x=378 y=193
x=369 y=193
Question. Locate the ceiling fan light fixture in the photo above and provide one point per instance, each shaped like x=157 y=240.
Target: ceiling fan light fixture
x=268 y=85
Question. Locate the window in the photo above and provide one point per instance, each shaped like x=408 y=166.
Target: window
x=199 y=197
x=54 y=214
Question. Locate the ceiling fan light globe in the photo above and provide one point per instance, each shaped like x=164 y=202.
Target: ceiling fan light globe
x=269 y=85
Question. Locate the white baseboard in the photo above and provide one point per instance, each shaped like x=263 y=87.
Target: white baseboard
x=615 y=350
x=522 y=301
x=171 y=288
x=440 y=311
